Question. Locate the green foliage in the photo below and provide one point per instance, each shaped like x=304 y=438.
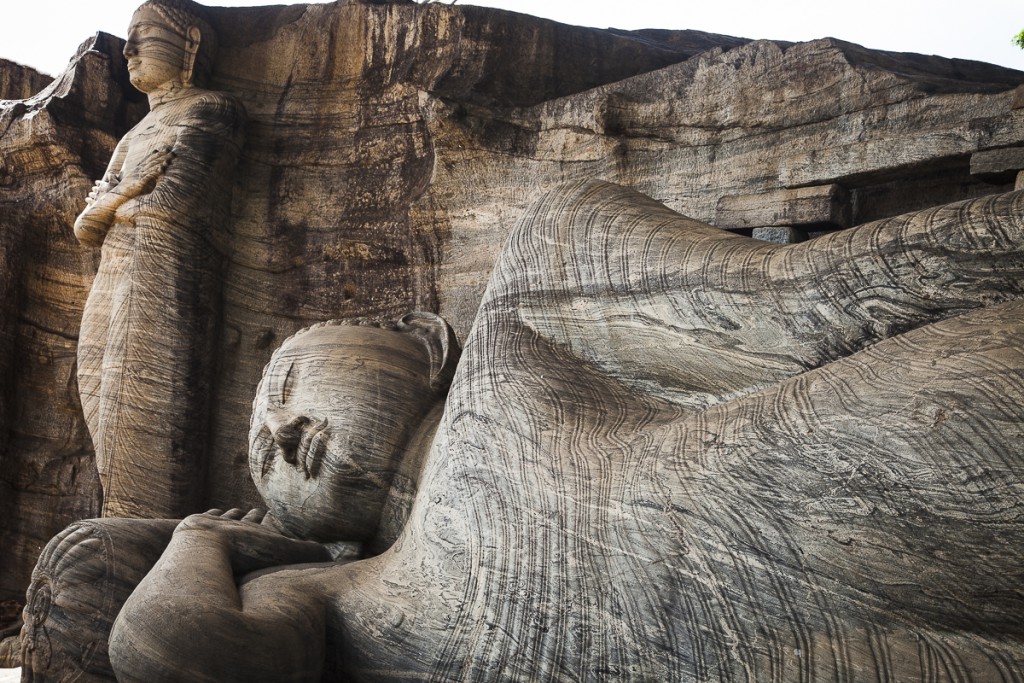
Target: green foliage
x=1018 y=40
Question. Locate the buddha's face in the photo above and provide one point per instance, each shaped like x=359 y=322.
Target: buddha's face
x=329 y=426
x=154 y=50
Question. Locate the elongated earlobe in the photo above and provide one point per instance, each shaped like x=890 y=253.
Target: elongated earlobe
x=442 y=345
x=191 y=50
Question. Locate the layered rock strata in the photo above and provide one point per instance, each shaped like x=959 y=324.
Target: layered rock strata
x=19 y=82
x=391 y=148
x=669 y=453
x=52 y=145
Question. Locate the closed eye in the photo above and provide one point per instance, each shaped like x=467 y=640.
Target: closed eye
x=277 y=392
x=284 y=383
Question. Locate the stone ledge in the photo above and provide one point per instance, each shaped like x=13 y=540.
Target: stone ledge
x=1018 y=98
x=823 y=206
x=998 y=163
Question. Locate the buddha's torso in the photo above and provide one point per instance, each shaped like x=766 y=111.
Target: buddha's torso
x=159 y=128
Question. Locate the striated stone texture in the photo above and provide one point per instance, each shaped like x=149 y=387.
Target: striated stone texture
x=998 y=163
x=147 y=343
x=74 y=591
x=390 y=149
x=673 y=453
x=712 y=486
x=51 y=147
x=19 y=82
x=335 y=214
x=894 y=131
x=669 y=453
x=821 y=206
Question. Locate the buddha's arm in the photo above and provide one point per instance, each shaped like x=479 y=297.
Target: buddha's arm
x=206 y=146
x=188 y=620
x=109 y=194
x=656 y=298
x=198 y=165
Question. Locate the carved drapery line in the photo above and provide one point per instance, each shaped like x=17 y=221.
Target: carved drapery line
x=148 y=342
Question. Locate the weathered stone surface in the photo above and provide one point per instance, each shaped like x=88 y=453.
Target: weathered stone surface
x=334 y=215
x=10 y=629
x=159 y=215
x=75 y=595
x=693 y=132
x=1018 y=98
x=998 y=162
x=647 y=476
x=391 y=148
x=825 y=206
x=343 y=417
x=669 y=453
x=324 y=223
x=19 y=82
x=779 y=234
x=51 y=147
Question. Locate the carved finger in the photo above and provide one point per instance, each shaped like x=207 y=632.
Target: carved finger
x=234 y=513
x=162 y=153
x=216 y=512
x=255 y=515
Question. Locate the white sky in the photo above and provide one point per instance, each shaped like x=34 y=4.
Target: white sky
x=45 y=33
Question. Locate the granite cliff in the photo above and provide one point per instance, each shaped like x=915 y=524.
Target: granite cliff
x=390 y=149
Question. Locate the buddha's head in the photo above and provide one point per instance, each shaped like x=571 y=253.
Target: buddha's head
x=333 y=415
x=170 y=43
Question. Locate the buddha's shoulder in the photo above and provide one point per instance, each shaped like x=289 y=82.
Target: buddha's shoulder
x=215 y=104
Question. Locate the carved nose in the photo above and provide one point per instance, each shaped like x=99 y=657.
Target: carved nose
x=288 y=434
x=129 y=49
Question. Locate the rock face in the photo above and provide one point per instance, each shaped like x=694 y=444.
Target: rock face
x=669 y=453
x=338 y=211
x=19 y=82
x=672 y=453
x=52 y=146
x=391 y=148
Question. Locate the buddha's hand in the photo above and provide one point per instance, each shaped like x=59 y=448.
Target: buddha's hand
x=143 y=177
x=252 y=544
x=99 y=188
